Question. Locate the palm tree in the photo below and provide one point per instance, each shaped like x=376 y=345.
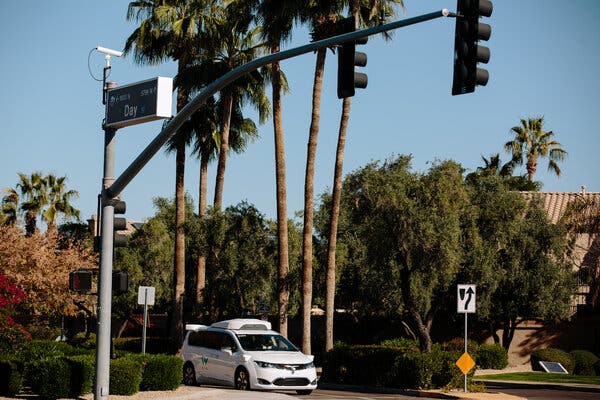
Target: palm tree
x=230 y=42
x=34 y=199
x=493 y=166
x=10 y=207
x=366 y=11
x=277 y=18
x=59 y=201
x=530 y=143
x=322 y=18
x=171 y=30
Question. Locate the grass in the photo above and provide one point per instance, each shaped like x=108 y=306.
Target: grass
x=541 y=377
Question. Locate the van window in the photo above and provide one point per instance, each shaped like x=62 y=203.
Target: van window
x=211 y=340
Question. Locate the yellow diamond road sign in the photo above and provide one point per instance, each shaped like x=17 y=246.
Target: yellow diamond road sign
x=465 y=363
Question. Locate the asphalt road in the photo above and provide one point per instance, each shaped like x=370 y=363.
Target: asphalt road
x=546 y=392
x=322 y=394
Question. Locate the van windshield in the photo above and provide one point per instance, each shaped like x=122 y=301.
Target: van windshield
x=265 y=342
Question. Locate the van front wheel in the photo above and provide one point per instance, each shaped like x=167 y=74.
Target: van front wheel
x=242 y=379
x=189 y=375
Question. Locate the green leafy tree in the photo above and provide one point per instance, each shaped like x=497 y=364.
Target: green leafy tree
x=243 y=276
x=517 y=257
x=530 y=143
x=410 y=225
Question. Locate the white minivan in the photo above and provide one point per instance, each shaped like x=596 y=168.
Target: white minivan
x=245 y=354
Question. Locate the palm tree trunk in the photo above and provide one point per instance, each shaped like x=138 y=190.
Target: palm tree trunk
x=224 y=148
x=335 y=211
x=307 y=247
x=282 y=227
x=179 y=279
x=179 y=241
x=201 y=266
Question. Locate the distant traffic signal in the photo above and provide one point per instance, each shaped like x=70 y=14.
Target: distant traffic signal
x=81 y=281
x=120 y=224
x=348 y=58
x=120 y=282
x=467 y=53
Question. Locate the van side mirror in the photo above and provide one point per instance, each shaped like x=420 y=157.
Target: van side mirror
x=227 y=350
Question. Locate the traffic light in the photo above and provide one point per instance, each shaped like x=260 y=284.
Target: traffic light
x=80 y=281
x=120 y=282
x=120 y=224
x=467 y=53
x=348 y=58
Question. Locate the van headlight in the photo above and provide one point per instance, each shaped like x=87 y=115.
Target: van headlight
x=263 y=364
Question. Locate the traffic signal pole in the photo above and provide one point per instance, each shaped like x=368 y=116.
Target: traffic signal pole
x=111 y=188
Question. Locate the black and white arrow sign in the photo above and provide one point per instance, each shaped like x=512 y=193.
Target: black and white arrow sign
x=465 y=298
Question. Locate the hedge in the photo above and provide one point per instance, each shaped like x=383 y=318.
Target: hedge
x=584 y=362
x=50 y=378
x=391 y=367
x=492 y=356
x=160 y=371
x=125 y=376
x=11 y=376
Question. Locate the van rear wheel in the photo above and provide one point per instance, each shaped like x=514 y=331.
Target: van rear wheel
x=242 y=379
x=189 y=375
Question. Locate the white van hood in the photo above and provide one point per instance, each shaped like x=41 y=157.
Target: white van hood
x=281 y=357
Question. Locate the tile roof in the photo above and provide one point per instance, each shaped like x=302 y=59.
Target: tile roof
x=555 y=203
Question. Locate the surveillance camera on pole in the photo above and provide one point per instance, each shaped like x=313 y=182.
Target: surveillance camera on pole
x=109 y=52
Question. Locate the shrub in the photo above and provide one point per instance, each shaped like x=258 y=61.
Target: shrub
x=403 y=343
x=412 y=371
x=345 y=364
x=458 y=345
x=492 y=356
x=38 y=349
x=445 y=373
x=160 y=371
x=82 y=374
x=154 y=345
x=50 y=378
x=391 y=367
x=125 y=376
x=11 y=376
x=553 y=355
x=584 y=362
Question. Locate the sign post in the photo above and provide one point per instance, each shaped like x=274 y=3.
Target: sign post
x=145 y=297
x=465 y=304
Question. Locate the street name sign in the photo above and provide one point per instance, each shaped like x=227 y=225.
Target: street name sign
x=465 y=299
x=139 y=102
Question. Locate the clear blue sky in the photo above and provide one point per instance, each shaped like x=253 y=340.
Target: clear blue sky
x=545 y=61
